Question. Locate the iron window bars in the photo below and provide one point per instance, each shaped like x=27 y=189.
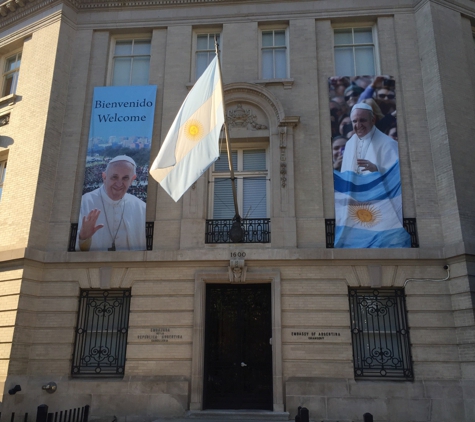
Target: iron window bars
x=380 y=334
x=101 y=333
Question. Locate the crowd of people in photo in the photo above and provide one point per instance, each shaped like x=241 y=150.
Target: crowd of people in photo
x=379 y=92
x=93 y=178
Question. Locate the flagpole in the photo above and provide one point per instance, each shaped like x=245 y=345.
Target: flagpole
x=236 y=230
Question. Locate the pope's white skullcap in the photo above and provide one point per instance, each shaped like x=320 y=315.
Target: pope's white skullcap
x=123 y=158
x=362 y=106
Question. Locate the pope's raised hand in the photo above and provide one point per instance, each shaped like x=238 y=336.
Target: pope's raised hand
x=89 y=227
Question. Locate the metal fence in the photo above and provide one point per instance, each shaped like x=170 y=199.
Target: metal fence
x=79 y=414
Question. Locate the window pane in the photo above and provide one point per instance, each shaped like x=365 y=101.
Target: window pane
x=267 y=64
x=344 y=61
x=254 y=159
x=202 y=42
x=254 y=198
x=12 y=63
x=140 y=71
x=364 y=61
x=142 y=47
x=8 y=87
x=279 y=38
x=122 y=68
x=280 y=63
x=267 y=39
x=222 y=164
x=201 y=63
x=343 y=36
x=123 y=48
x=223 y=199
x=363 y=36
x=3 y=171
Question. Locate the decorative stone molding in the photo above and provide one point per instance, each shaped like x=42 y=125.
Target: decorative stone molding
x=283 y=156
x=243 y=118
x=237 y=271
x=10 y=6
x=287 y=82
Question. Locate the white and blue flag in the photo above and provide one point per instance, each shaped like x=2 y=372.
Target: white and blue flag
x=368 y=210
x=192 y=143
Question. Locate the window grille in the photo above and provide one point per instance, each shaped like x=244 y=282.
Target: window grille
x=380 y=334
x=101 y=333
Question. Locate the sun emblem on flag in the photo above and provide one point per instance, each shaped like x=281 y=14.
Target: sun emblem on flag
x=365 y=214
x=194 y=130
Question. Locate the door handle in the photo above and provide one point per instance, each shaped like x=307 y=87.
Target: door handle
x=243 y=365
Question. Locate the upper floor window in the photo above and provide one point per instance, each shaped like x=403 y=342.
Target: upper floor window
x=380 y=334
x=205 y=51
x=354 y=51
x=274 y=54
x=250 y=170
x=3 y=171
x=101 y=333
x=11 y=71
x=131 y=62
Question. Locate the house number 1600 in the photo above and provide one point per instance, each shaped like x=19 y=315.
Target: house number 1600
x=238 y=254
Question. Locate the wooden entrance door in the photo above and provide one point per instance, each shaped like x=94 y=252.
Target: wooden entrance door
x=238 y=350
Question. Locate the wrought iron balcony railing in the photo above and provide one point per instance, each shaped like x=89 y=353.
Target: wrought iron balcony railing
x=149 y=227
x=408 y=223
x=255 y=230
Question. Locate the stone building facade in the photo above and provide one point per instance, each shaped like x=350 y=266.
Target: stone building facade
x=66 y=50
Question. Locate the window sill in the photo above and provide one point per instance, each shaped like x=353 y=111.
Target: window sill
x=286 y=82
x=8 y=100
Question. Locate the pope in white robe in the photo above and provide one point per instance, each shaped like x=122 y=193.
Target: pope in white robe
x=368 y=150
x=110 y=218
x=368 y=203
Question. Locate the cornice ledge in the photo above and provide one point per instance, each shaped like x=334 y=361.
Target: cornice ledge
x=89 y=4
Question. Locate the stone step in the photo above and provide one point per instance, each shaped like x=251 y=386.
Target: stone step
x=237 y=415
x=233 y=416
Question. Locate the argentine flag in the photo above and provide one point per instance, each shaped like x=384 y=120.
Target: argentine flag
x=368 y=210
x=192 y=143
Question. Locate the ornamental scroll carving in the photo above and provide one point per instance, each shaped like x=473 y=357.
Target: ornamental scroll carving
x=243 y=118
x=237 y=271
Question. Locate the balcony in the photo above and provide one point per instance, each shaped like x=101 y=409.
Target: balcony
x=255 y=230
x=408 y=223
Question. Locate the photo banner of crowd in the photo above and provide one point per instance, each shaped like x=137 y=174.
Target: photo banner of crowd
x=114 y=196
x=365 y=156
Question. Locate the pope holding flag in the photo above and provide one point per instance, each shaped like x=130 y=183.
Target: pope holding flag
x=192 y=143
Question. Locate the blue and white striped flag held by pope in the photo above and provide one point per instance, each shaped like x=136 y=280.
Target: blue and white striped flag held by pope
x=192 y=143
